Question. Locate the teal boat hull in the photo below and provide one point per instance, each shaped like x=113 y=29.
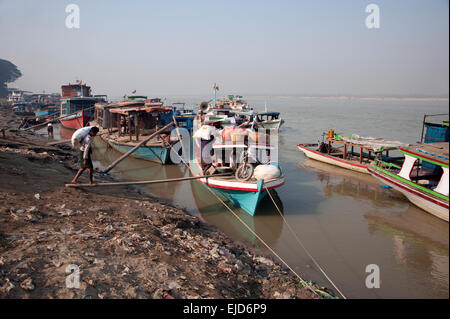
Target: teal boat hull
x=246 y=200
x=156 y=154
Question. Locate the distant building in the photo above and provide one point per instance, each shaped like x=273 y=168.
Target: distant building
x=15 y=97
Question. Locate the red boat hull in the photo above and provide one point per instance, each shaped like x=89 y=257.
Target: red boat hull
x=75 y=122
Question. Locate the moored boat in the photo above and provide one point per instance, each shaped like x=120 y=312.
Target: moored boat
x=423 y=177
x=355 y=153
x=122 y=126
x=77 y=105
x=264 y=120
x=242 y=185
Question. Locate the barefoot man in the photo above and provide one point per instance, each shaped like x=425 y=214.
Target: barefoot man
x=85 y=155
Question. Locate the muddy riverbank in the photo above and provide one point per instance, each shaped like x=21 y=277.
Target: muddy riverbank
x=124 y=243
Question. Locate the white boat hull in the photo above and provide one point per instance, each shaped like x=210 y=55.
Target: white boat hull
x=333 y=161
x=414 y=196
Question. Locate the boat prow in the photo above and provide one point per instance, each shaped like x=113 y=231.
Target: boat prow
x=310 y=152
x=246 y=195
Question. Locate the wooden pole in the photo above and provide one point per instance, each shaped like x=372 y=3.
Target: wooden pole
x=136 y=126
x=129 y=126
x=344 y=156
x=59 y=142
x=136 y=147
x=169 y=180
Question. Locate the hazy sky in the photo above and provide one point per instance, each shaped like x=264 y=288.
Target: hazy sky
x=164 y=47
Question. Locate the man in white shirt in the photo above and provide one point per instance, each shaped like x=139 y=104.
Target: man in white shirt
x=85 y=155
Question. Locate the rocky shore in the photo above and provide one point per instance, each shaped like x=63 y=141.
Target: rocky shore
x=118 y=242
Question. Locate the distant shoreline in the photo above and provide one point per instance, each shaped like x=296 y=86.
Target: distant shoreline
x=374 y=98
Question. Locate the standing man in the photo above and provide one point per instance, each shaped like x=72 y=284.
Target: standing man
x=85 y=155
x=50 y=130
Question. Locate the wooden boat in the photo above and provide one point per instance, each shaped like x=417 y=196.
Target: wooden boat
x=234 y=102
x=264 y=120
x=140 y=121
x=76 y=100
x=245 y=193
x=211 y=211
x=370 y=151
x=423 y=177
x=269 y=120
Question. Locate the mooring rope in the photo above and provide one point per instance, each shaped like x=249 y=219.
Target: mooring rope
x=303 y=246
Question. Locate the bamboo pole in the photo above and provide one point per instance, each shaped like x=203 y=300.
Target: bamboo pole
x=53 y=120
x=59 y=142
x=129 y=127
x=136 y=126
x=170 y=180
x=135 y=148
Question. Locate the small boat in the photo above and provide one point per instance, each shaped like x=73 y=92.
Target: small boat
x=78 y=104
x=122 y=125
x=423 y=177
x=371 y=150
x=269 y=120
x=234 y=102
x=264 y=120
x=241 y=186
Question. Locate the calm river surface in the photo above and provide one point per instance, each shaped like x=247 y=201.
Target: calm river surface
x=345 y=219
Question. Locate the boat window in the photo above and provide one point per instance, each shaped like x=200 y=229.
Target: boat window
x=442 y=187
x=426 y=176
x=407 y=167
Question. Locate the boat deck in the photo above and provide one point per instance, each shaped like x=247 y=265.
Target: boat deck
x=124 y=139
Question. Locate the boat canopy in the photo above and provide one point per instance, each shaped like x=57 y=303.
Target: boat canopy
x=377 y=144
x=437 y=153
x=125 y=110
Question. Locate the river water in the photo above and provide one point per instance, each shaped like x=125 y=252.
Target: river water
x=345 y=219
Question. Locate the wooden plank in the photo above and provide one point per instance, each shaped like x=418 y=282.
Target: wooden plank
x=59 y=142
x=169 y=180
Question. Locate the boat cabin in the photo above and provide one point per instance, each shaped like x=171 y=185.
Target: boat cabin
x=435 y=131
x=414 y=170
x=267 y=116
x=155 y=102
x=138 y=120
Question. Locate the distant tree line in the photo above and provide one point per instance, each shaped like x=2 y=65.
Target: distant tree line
x=8 y=73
